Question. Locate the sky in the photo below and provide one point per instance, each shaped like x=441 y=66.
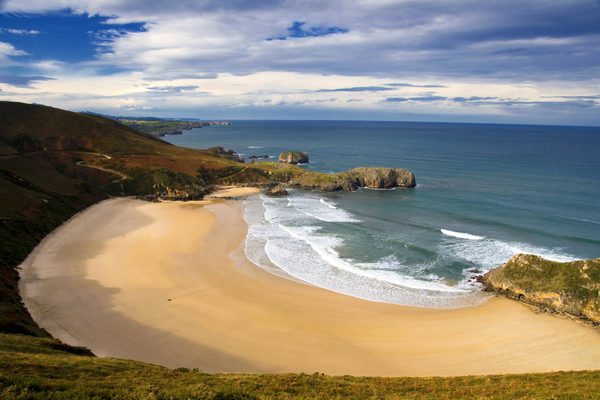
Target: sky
x=531 y=62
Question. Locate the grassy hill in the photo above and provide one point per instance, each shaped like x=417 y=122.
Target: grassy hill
x=35 y=368
x=54 y=163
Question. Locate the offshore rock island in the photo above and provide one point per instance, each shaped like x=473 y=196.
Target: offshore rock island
x=293 y=157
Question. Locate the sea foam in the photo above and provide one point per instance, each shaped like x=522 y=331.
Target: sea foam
x=489 y=253
x=290 y=237
x=461 y=235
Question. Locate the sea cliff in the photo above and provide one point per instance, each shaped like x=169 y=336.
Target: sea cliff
x=569 y=288
x=363 y=177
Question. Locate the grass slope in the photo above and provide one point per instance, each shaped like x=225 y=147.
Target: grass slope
x=32 y=368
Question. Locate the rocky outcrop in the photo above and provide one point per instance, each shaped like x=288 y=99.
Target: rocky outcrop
x=293 y=157
x=382 y=178
x=276 y=190
x=374 y=177
x=185 y=193
x=228 y=154
x=570 y=288
x=163 y=184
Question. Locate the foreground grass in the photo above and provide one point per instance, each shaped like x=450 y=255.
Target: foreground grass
x=31 y=368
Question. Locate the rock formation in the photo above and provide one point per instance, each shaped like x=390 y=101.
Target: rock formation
x=382 y=178
x=374 y=177
x=566 y=288
x=276 y=190
x=229 y=154
x=293 y=157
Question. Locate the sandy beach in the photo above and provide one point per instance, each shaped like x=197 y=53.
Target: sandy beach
x=168 y=283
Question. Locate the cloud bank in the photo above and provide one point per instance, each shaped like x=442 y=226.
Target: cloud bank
x=503 y=61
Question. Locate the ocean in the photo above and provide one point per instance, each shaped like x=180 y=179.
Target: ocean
x=484 y=193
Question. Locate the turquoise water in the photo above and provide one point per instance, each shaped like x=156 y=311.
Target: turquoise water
x=485 y=193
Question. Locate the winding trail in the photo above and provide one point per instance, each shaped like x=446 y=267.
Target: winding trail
x=123 y=177
x=82 y=163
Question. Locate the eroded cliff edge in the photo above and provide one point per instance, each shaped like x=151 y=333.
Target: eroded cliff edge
x=568 y=288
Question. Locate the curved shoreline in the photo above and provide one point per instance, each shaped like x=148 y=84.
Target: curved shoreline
x=157 y=282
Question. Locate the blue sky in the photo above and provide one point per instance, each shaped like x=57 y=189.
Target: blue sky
x=462 y=60
x=60 y=35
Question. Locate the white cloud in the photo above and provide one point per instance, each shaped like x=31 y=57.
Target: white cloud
x=509 y=50
x=7 y=51
x=20 y=32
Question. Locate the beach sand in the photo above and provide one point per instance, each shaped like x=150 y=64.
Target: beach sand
x=168 y=283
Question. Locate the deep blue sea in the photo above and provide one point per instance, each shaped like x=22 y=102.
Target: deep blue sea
x=485 y=192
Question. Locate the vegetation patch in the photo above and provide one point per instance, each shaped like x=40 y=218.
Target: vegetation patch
x=31 y=369
x=571 y=287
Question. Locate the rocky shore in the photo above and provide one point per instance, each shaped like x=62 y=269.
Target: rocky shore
x=569 y=288
x=363 y=177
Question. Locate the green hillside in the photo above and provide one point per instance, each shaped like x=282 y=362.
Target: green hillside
x=34 y=368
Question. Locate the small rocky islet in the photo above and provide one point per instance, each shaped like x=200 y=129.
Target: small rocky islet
x=293 y=157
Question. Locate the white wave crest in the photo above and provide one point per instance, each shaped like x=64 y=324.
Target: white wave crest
x=461 y=235
x=490 y=253
x=321 y=210
x=327 y=203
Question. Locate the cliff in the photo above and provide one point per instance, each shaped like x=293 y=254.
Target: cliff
x=567 y=288
x=382 y=178
x=371 y=177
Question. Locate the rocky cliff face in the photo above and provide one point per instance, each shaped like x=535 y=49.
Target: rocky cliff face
x=376 y=178
x=276 y=190
x=228 y=154
x=567 y=288
x=382 y=178
x=183 y=193
x=293 y=157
